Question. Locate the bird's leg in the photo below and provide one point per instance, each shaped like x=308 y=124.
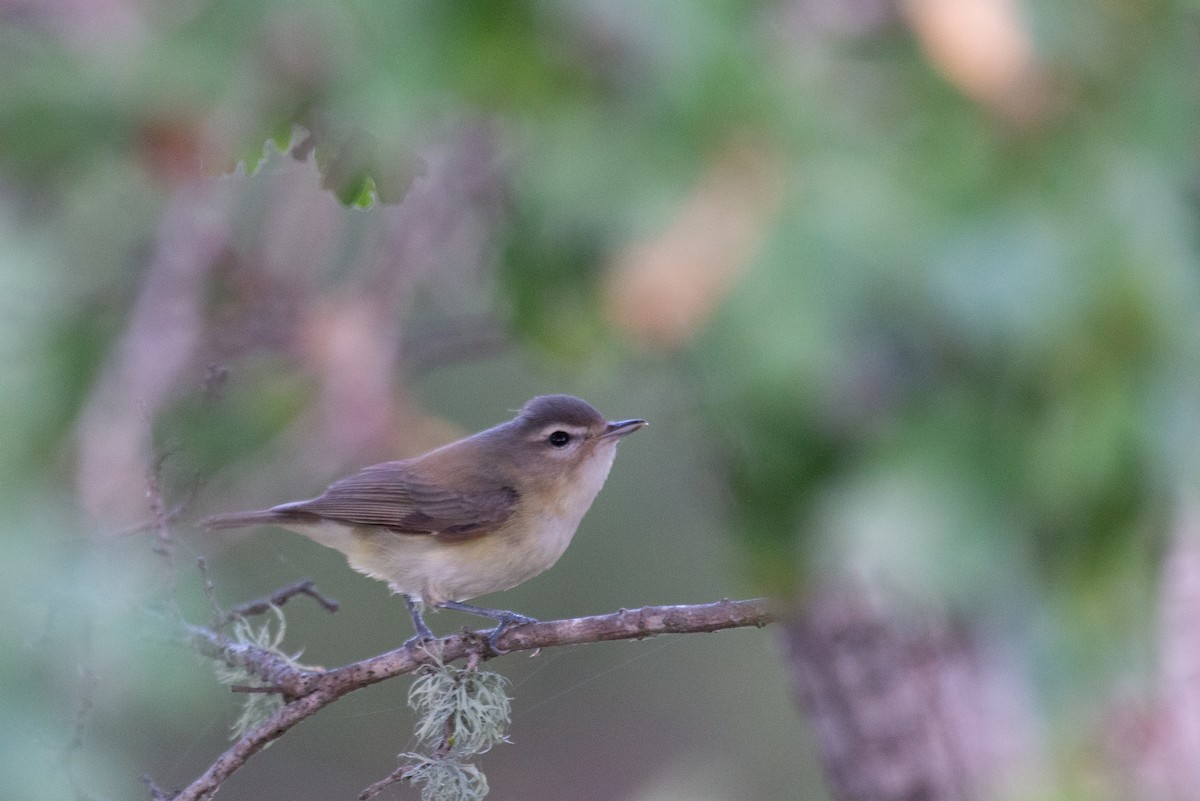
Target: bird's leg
x=423 y=632
x=505 y=618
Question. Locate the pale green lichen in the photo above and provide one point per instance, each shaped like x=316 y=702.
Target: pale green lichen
x=467 y=710
x=445 y=779
x=257 y=707
x=462 y=712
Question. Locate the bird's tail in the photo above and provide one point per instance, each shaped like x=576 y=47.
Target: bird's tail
x=264 y=517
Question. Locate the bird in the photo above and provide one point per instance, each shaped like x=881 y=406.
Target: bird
x=479 y=515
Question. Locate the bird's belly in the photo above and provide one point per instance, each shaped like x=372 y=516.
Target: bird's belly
x=422 y=567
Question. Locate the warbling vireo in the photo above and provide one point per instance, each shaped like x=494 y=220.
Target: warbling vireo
x=476 y=516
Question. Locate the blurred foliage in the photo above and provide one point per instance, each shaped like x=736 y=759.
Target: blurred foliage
x=1002 y=310
x=944 y=333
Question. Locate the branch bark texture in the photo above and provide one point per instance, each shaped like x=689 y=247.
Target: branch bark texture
x=307 y=692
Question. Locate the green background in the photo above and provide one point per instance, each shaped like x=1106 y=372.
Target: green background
x=947 y=341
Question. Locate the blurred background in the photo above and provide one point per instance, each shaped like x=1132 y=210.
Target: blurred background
x=908 y=290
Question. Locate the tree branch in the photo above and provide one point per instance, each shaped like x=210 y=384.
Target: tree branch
x=282 y=596
x=307 y=692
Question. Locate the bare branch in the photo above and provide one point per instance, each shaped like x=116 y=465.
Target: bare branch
x=307 y=692
x=282 y=596
x=259 y=606
x=400 y=774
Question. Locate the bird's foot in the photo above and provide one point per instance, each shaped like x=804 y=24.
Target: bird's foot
x=417 y=640
x=423 y=635
x=508 y=620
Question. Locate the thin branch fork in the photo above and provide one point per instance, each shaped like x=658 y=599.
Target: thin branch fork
x=280 y=597
x=400 y=774
x=307 y=692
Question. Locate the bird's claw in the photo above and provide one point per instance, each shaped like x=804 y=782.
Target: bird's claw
x=423 y=635
x=417 y=640
x=509 y=621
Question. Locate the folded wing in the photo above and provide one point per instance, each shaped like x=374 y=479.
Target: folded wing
x=393 y=496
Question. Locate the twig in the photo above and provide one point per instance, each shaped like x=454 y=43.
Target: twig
x=85 y=705
x=307 y=692
x=245 y=688
x=219 y=617
x=165 y=545
x=282 y=596
x=398 y=775
x=156 y=792
x=259 y=606
x=155 y=523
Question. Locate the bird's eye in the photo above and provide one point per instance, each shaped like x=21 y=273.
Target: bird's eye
x=559 y=439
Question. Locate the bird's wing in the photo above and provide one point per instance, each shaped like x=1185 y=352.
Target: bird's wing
x=394 y=496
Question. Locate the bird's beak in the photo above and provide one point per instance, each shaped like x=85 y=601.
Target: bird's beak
x=620 y=428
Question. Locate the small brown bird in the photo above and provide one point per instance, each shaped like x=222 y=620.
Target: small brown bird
x=479 y=515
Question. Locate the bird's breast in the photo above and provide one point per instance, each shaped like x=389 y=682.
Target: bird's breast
x=550 y=522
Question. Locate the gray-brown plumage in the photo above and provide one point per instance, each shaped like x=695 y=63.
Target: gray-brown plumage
x=476 y=516
x=392 y=496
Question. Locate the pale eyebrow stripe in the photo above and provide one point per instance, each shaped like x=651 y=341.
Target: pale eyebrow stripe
x=568 y=427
